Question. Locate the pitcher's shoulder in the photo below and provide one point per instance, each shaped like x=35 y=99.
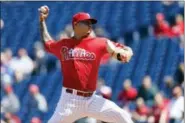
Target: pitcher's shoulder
x=100 y=39
x=65 y=41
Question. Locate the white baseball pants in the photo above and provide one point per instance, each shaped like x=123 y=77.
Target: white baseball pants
x=72 y=107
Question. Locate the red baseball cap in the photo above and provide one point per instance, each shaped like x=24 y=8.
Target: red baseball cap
x=82 y=16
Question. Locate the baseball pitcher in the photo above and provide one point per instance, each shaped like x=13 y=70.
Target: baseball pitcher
x=80 y=58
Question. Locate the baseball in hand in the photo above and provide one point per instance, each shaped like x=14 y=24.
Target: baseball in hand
x=44 y=9
x=123 y=54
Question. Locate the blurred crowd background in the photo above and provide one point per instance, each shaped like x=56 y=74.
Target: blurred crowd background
x=150 y=87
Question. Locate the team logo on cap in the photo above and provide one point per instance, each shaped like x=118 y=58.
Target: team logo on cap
x=76 y=54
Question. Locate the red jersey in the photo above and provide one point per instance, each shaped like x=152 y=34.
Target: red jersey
x=157 y=110
x=143 y=111
x=162 y=28
x=178 y=29
x=80 y=60
x=128 y=95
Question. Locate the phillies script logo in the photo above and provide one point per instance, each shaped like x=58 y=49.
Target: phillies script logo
x=76 y=54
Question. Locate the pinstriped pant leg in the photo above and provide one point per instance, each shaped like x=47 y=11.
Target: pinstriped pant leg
x=68 y=110
x=107 y=111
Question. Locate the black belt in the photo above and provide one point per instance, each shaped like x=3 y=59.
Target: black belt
x=80 y=93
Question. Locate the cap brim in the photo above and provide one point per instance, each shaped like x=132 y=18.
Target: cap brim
x=93 y=21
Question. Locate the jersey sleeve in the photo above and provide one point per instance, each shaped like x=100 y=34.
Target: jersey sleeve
x=105 y=46
x=53 y=47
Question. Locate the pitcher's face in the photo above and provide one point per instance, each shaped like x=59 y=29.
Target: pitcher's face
x=82 y=28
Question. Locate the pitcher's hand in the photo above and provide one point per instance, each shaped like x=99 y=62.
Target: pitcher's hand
x=44 y=12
